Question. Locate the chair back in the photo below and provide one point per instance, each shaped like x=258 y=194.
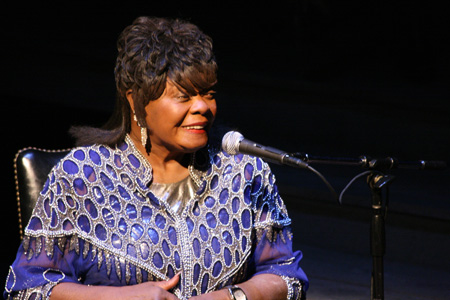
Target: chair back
x=31 y=167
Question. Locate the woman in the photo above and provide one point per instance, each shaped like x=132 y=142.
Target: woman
x=146 y=208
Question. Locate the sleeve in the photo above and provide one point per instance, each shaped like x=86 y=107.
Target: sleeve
x=34 y=273
x=273 y=251
x=47 y=255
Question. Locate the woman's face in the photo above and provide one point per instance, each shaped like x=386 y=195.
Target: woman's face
x=179 y=122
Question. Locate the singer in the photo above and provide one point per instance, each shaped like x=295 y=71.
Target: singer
x=145 y=207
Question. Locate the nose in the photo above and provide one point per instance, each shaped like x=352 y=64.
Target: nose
x=203 y=106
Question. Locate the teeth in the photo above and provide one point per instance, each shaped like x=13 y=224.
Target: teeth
x=194 y=127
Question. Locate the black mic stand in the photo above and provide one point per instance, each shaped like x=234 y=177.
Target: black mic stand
x=376 y=181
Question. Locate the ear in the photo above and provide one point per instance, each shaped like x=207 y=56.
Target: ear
x=129 y=95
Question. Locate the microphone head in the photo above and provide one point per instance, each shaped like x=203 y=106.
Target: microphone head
x=231 y=141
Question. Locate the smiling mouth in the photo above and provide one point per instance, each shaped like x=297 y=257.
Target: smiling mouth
x=196 y=127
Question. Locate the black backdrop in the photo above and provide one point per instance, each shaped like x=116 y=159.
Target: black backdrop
x=324 y=77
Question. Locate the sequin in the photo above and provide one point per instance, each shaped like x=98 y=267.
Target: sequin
x=104 y=151
x=107 y=182
x=172 y=235
x=100 y=232
x=80 y=187
x=134 y=161
x=256 y=184
x=98 y=195
x=84 y=224
x=238 y=158
x=236 y=228
x=245 y=218
x=79 y=154
x=196 y=247
x=145 y=250
x=217 y=268
x=227 y=256
x=227 y=173
x=70 y=167
x=123 y=193
x=146 y=214
x=236 y=185
x=207 y=259
x=190 y=224
x=214 y=182
x=203 y=232
x=215 y=244
x=224 y=217
x=205 y=281
x=196 y=273
x=67 y=225
x=157 y=260
x=165 y=248
x=235 y=205
x=248 y=171
x=226 y=235
x=211 y=220
x=131 y=211
x=223 y=197
x=95 y=157
x=177 y=259
x=90 y=208
x=115 y=203
x=123 y=227
x=108 y=217
x=154 y=236
x=136 y=232
x=217 y=161
x=70 y=201
x=160 y=221
x=209 y=202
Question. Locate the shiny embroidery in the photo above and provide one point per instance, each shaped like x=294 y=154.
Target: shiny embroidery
x=101 y=196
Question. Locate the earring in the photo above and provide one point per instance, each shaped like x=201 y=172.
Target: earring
x=143 y=131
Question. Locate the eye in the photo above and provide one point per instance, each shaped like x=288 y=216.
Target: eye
x=183 y=97
x=210 y=95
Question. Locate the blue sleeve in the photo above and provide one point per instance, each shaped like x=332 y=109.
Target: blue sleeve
x=273 y=252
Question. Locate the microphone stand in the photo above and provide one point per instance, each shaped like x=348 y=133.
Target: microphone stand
x=376 y=181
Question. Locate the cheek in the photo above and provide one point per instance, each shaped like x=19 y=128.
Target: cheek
x=213 y=108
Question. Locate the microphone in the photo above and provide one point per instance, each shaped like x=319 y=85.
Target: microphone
x=233 y=142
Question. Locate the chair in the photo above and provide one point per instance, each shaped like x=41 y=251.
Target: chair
x=31 y=167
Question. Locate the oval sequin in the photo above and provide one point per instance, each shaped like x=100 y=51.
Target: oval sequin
x=154 y=236
x=95 y=157
x=224 y=217
x=157 y=260
x=136 y=232
x=211 y=220
x=79 y=154
x=70 y=167
x=108 y=217
x=217 y=268
x=172 y=235
x=223 y=197
x=100 y=232
x=146 y=214
x=236 y=183
x=84 y=224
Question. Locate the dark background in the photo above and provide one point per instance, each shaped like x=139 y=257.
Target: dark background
x=329 y=78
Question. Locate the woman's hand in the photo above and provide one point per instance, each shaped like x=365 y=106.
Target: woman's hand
x=151 y=290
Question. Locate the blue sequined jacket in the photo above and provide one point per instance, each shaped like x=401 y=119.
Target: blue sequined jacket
x=96 y=222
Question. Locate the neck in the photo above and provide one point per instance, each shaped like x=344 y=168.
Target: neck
x=168 y=167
